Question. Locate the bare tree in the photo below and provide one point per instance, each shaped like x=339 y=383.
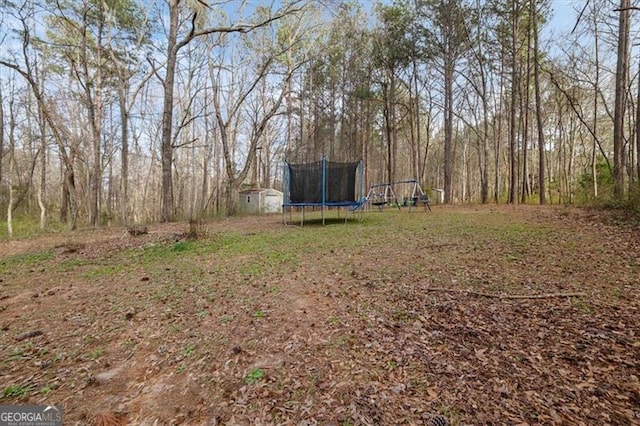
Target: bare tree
x=479 y=78
x=392 y=50
x=77 y=34
x=1 y=131
x=11 y=157
x=622 y=71
x=57 y=127
x=132 y=35
x=515 y=79
x=539 y=119
x=42 y=182
x=228 y=114
x=176 y=8
x=447 y=35
x=637 y=130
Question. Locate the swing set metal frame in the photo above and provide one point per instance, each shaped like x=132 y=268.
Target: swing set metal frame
x=381 y=194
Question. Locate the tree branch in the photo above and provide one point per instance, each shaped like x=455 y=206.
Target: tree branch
x=187 y=143
x=506 y=296
x=579 y=115
x=624 y=9
x=154 y=70
x=246 y=28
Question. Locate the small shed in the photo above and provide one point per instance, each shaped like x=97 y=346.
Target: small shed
x=263 y=200
x=439 y=196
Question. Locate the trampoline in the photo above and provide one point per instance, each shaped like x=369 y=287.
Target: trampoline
x=323 y=184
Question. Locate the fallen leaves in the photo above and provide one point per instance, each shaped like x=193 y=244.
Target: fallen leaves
x=457 y=315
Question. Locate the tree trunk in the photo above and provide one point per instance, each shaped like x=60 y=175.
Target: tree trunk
x=124 y=153
x=206 y=160
x=427 y=141
x=11 y=196
x=596 y=84
x=167 y=213
x=1 y=133
x=536 y=78
x=93 y=94
x=622 y=69
x=63 y=215
x=42 y=185
x=394 y=125
x=638 y=138
x=524 y=102
x=513 y=181
x=449 y=68
x=484 y=147
x=232 y=197
x=388 y=130
x=418 y=150
x=498 y=133
x=11 y=159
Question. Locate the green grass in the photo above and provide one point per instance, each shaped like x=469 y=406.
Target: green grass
x=250 y=269
x=9 y=264
x=164 y=252
x=97 y=353
x=16 y=353
x=583 y=306
x=255 y=375
x=15 y=391
x=216 y=265
x=25 y=227
x=189 y=350
x=91 y=272
x=45 y=390
x=71 y=264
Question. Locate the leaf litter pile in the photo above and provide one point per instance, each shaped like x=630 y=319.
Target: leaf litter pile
x=462 y=316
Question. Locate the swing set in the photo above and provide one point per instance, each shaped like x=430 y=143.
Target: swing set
x=382 y=194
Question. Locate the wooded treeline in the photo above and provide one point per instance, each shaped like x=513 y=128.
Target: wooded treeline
x=134 y=111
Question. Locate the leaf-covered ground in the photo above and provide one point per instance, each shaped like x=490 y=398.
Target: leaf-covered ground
x=479 y=315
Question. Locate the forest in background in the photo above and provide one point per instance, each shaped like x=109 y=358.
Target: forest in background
x=133 y=111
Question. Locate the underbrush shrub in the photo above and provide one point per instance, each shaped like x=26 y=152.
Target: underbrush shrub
x=632 y=204
x=28 y=226
x=629 y=207
x=584 y=190
x=623 y=211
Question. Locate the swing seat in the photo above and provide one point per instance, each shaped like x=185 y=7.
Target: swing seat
x=423 y=199
x=379 y=200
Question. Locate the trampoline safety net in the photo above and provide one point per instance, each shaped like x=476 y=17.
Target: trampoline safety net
x=305 y=182
x=341 y=182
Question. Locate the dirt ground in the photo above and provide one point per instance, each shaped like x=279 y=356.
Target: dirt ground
x=466 y=315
